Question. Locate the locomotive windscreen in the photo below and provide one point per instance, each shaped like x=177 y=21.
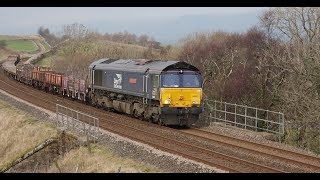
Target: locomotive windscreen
x=177 y=79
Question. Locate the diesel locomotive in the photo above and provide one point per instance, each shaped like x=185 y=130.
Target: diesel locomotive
x=160 y=91
x=163 y=92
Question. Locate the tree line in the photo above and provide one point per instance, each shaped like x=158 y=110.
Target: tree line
x=274 y=65
x=78 y=31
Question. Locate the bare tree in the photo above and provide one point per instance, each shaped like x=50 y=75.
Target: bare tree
x=292 y=70
x=49 y=37
x=75 y=31
x=226 y=62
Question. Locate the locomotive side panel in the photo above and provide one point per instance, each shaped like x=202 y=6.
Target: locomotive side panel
x=133 y=82
x=120 y=82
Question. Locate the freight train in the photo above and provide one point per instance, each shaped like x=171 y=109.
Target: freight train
x=164 y=92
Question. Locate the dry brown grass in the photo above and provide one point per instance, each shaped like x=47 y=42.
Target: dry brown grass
x=20 y=133
x=100 y=160
x=3 y=54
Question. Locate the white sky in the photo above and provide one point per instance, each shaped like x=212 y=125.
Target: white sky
x=18 y=16
x=27 y=20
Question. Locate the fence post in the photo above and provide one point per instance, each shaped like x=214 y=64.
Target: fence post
x=268 y=122
x=89 y=130
x=235 y=114
x=282 y=123
x=84 y=128
x=245 y=117
x=73 y=120
x=225 y=112
x=256 y=120
x=98 y=128
x=215 y=110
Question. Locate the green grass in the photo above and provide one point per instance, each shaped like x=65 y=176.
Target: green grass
x=21 y=45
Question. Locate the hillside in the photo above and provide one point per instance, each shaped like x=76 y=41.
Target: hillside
x=20 y=133
x=74 y=56
x=26 y=46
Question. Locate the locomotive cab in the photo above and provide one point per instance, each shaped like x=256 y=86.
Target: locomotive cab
x=180 y=95
x=181 y=88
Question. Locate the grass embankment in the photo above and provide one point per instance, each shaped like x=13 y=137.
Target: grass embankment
x=101 y=160
x=3 y=54
x=20 y=133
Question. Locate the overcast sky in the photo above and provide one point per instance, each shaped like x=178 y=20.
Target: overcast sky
x=26 y=20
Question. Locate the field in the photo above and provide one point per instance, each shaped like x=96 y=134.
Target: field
x=21 y=45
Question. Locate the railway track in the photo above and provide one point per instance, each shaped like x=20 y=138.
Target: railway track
x=167 y=140
x=303 y=161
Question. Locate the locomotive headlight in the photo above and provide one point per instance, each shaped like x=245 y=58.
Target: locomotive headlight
x=167 y=101
x=195 y=102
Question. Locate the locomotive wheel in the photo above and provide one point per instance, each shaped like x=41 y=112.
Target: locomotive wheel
x=135 y=114
x=156 y=118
